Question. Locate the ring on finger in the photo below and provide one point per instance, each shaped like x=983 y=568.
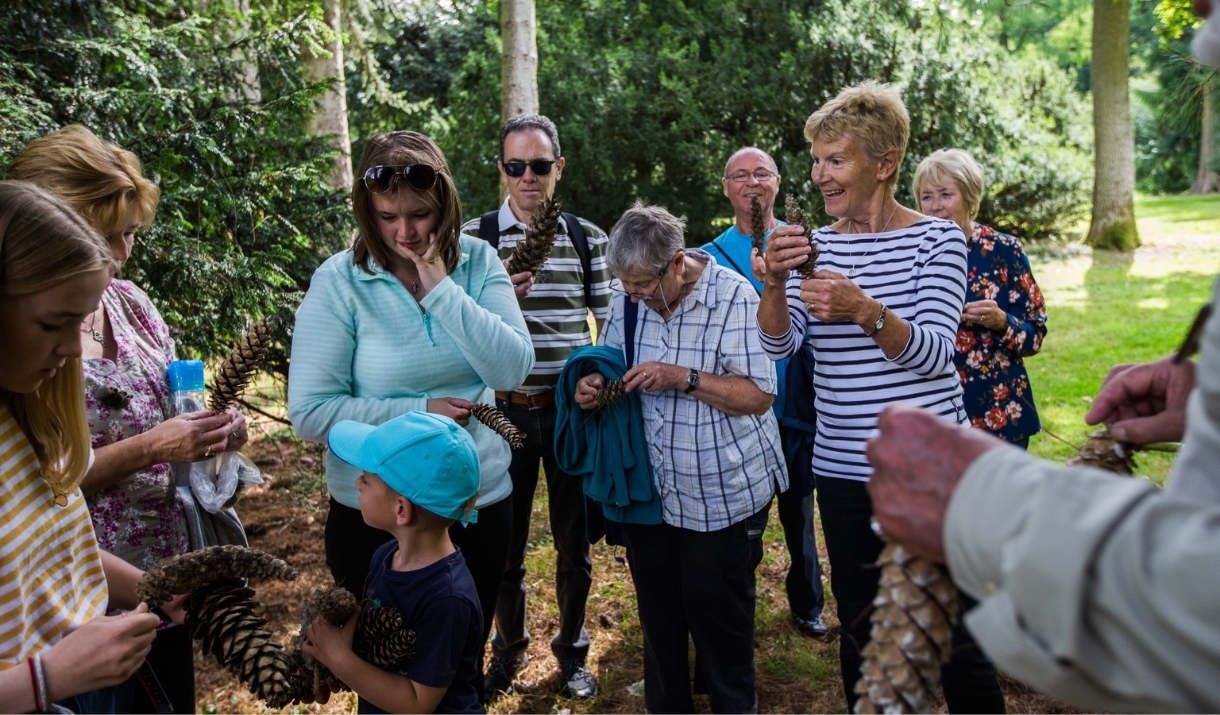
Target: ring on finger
x=208 y=454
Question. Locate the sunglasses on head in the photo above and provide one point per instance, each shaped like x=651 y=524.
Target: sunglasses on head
x=540 y=167
x=420 y=177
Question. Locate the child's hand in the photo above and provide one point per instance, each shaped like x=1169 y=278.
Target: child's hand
x=329 y=643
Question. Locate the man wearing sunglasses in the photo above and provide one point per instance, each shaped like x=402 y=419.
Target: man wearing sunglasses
x=573 y=281
x=751 y=173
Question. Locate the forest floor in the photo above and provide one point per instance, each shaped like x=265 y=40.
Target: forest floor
x=1104 y=308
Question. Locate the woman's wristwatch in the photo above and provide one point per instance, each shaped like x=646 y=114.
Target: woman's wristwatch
x=879 y=324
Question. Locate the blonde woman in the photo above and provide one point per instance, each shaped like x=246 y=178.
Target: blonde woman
x=56 y=644
x=126 y=349
x=1004 y=319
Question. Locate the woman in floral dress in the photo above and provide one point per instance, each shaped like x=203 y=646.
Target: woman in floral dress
x=1004 y=320
x=126 y=349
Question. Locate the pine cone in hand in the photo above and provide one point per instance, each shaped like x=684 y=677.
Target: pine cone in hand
x=610 y=392
x=1102 y=451
x=380 y=638
x=758 y=226
x=532 y=251
x=188 y=572
x=793 y=216
x=912 y=634
x=499 y=424
x=237 y=369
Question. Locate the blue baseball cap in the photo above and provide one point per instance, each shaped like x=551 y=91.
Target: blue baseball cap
x=426 y=458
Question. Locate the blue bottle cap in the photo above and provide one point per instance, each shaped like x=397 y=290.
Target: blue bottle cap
x=185 y=375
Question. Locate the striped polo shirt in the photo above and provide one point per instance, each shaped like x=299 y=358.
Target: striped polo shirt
x=555 y=309
x=919 y=273
x=51 y=578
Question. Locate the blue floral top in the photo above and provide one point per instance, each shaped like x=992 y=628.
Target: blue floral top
x=990 y=363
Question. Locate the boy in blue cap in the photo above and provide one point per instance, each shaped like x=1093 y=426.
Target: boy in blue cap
x=421 y=473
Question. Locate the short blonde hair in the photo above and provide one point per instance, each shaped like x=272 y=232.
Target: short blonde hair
x=944 y=164
x=43 y=243
x=101 y=181
x=872 y=112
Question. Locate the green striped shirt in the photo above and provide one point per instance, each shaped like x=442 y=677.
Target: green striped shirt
x=555 y=310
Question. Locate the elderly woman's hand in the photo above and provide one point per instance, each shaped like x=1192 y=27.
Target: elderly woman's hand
x=832 y=298
x=191 y=437
x=653 y=376
x=787 y=248
x=586 y=390
x=986 y=313
x=240 y=433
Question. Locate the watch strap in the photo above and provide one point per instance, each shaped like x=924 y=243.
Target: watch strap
x=692 y=381
x=879 y=324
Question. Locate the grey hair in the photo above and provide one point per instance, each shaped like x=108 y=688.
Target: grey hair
x=743 y=150
x=524 y=122
x=645 y=240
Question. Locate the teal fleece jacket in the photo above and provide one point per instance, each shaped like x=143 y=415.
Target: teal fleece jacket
x=606 y=448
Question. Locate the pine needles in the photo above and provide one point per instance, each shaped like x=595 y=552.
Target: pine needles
x=533 y=250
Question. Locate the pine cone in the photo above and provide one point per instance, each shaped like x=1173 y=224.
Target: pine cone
x=532 y=251
x=757 y=225
x=610 y=392
x=237 y=369
x=793 y=216
x=912 y=634
x=499 y=424
x=188 y=572
x=380 y=638
x=1104 y=452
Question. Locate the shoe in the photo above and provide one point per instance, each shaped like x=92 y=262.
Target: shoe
x=578 y=682
x=498 y=680
x=811 y=627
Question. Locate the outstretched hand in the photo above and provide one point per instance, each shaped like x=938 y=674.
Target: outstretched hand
x=787 y=248
x=918 y=460
x=1145 y=403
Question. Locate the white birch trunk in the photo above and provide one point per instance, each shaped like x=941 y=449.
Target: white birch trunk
x=331 y=117
x=1113 y=222
x=519 y=59
x=1206 y=180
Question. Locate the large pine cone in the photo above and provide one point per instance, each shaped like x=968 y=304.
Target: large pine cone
x=793 y=216
x=190 y=571
x=499 y=424
x=1104 y=452
x=533 y=250
x=610 y=392
x=237 y=369
x=757 y=225
x=381 y=639
x=912 y=634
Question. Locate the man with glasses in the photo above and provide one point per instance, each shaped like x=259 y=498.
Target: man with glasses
x=573 y=281
x=750 y=173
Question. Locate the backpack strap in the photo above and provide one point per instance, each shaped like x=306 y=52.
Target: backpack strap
x=489 y=228
x=580 y=241
x=631 y=312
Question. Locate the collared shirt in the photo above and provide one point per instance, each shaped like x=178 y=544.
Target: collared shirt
x=555 y=310
x=712 y=470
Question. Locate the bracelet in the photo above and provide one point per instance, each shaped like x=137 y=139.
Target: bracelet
x=39 y=680
x=34 y=683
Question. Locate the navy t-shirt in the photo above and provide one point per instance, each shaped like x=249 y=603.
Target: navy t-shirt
x=439 y=603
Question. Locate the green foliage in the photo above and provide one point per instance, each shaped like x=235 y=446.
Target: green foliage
x=246 y=213
x=652 y=98
x=1175 y=18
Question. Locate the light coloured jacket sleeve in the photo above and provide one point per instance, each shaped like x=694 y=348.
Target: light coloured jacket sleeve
x=1095 y=588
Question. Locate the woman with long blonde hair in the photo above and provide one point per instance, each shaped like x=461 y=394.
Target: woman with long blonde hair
x=56 y=644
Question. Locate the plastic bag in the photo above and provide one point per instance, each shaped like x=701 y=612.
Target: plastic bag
x=215 y=481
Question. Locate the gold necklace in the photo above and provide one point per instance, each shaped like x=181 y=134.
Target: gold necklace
x=92 y=330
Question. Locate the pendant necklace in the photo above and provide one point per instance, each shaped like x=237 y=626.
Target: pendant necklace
x=856 y=261
x=93 y=331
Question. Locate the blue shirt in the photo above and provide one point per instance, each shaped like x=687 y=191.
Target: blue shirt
x=732 y=249
x=440 y=604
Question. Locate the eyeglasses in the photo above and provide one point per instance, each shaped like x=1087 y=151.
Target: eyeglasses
x=540 y=167
x=420 y=177
x=646 y=289
x=760 y=176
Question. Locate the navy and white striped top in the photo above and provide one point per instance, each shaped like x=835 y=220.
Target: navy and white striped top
x=919 y=273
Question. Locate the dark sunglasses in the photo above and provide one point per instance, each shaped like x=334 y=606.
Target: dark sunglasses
x=540 y=167
x=420 y=177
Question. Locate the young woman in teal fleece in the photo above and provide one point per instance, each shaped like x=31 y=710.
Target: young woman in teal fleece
x=412 y=317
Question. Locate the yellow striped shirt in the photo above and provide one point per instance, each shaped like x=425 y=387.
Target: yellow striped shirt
x=51 y=578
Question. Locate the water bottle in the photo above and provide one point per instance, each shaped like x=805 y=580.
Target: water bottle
x=186 y=386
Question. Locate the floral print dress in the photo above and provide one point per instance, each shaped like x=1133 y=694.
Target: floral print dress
x=136 y=518
x=990 y=364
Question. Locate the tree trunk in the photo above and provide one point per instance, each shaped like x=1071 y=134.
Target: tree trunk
x=1206 y=180
x=331 y=117
x=249 y=89
x=519 y=60
x=1112 y=226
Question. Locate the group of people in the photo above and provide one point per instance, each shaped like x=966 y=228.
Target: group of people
x=750 y=383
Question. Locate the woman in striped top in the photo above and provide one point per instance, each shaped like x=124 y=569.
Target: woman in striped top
x=56 y=644
x=882 y=312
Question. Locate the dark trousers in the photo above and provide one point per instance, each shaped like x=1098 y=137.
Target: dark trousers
x=698 y=586
x=573 y=566
x=173 y=662
x=351 y=543
x=803 y=584
x=969 y=679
